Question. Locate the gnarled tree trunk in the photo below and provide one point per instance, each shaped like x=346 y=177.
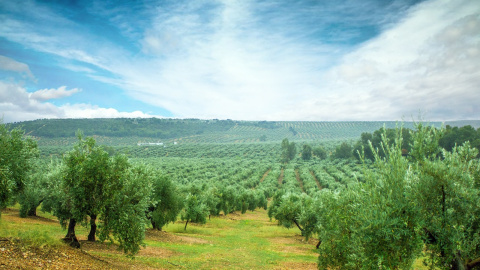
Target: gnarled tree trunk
x=93 y=228
x=32 y=212
x=71 y=238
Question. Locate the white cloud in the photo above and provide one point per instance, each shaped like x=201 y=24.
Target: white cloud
x=47 y=94
x=225 y=66
x=93 y=111
x=15 y=66
x=16 y=104
x=429 y=62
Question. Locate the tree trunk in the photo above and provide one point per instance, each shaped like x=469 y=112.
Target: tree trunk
x=473 y=263
x=32 y=212
x=318 y=244
x=457 y=263
x=186 y=225
x=70 y=238
x=93 y=228
x=296 y=223
x=71 y=229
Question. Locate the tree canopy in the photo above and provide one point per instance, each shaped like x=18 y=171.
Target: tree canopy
x=16 y=155
x=289 y=150
x=97 y=185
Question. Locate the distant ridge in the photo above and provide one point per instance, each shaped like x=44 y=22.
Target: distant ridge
x=135 y=130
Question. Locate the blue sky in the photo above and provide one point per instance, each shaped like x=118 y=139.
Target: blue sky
x=245 y=60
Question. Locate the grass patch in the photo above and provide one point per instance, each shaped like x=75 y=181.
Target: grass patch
x=232 y=241
x=226 y=242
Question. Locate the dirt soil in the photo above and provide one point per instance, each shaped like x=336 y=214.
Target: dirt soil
x=16 y=255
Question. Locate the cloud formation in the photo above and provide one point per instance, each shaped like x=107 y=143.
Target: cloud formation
x=16 y=104
x=268 y=60
x=416 y=65
x=428 y=61
x=9 y=64
x=46 y=94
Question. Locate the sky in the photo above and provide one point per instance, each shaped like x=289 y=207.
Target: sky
x=276 y=60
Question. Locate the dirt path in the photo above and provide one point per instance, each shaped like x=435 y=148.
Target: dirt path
x=316 y=180
x=265 y=175
x=280 y=178
x=297 y=175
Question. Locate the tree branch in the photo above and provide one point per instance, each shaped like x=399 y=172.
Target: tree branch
x=473 y=263
x=296 y=223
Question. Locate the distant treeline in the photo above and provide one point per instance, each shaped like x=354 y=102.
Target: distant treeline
x=123 y=127
x=451 y=137
x=212 y=131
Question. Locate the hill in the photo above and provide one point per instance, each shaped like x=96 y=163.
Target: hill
x=128 y=131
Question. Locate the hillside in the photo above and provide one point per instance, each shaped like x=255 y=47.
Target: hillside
x=127 y=131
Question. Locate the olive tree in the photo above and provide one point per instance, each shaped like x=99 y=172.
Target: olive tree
x=228 y=199
x=306 y=152
x=91 y=177
x=344 y=150
x=166 y=201
x=286 y=208
x=195 y=210
x=448 y=198
x=372 y=224
x=95 y=185
x=320 y=152
x=39 y=186
x=212 y=199
x=16 y=155
x=289 y=150
x=123 y=217
x=428 y=202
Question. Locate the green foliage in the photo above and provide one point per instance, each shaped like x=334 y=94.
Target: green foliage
x=6 y=186
x=195 y=210
x=91 y=177
x=429 y=200
x=275 y=204
x=122 y=131
x=448 y=199
x=320 y=152
x=122 y=127
x=212 y=199
x=124 y=213
x=166 y=201
x=17 y=152
x=458 y=136
x=36 y=189
x=362 y=146
x=344 y=150
x=56 y=200
x=228 y=199
x=97 y=185
x=306 y=152
x=309 y=216
x=372 y=224
x=289 y=150
x=287 y=209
